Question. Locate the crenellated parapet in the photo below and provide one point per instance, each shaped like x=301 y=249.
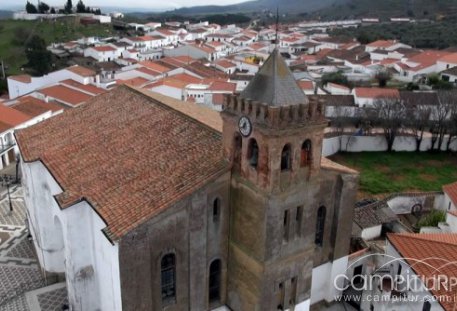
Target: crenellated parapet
x=277 y=117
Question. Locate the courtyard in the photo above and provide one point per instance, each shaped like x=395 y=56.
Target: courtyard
x=384 y=173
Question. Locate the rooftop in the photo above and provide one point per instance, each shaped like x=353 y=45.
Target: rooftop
x=274 y=84
x=86 y=151
x=451 y=191
x=430 y=255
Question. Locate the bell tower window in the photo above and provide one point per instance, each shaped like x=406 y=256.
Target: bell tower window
x=306 y=153
x=286 y=158
x=253 y=153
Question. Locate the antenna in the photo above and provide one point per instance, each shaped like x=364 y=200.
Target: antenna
x=277 y=27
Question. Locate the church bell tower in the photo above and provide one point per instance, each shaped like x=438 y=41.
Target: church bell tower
x=272 y=135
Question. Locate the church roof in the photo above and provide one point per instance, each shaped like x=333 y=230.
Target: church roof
x=274 y=84
x=128 y=154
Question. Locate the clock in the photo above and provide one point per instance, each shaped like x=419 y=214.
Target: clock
x=245 y=126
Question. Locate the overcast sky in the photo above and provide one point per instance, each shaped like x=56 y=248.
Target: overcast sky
x=122 y=3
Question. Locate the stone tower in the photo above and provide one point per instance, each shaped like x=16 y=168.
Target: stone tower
x=272 y=134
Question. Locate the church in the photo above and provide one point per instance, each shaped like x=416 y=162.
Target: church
x=142 y=202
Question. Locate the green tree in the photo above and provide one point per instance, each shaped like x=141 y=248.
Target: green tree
x=53 y=11
x=39 y=58
x=43 y=8
x=68 y=7
x=80 y=7
x=335 y=77
x=30 y=8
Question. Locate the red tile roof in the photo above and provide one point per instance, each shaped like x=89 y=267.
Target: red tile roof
x=306 y=85
x=89 y=88
x=65 y=94
x=81 y=71
x=430 y=255
x=34 y=107
x=382 y=43
x=376 y=92
x=451 y=191
x=451 y=58
x=21 y=78
x=129 y=155
x=103 y=48
x=12 y=117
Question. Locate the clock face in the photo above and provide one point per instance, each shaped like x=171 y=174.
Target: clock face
x=245 y=126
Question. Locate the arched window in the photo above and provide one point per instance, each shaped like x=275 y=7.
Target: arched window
x=215 y=281
x=237 y=147
x=168 y=278
x=305 y=153
x=216 y=209
x=253 y=153
x=320 y=224
x=286 y=158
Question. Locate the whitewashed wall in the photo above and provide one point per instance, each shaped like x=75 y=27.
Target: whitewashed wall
x=70 y=241
x=349 y=143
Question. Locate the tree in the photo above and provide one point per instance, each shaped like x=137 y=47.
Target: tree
x=440 y=117
x=39 y=58
x=80 y=7
x=452 y=126
x=68 y=7
x=53 y=11
x=335 y=77
x=30 y=8
x=418 y=121
x=43 y=8
x=382 y=76
x=389 y=115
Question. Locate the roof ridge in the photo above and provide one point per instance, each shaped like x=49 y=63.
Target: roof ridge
x=423 y=237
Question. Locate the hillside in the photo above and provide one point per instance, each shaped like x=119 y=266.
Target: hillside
x=284 y=6
x=419 y=9
x=14 y=34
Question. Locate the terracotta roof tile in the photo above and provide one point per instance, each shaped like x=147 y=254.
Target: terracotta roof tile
x=128 y=154
x=65 y=94
x=451 y=191
x=376 y=92
x=81 y=71
x=12 y=116
x=430 y=255
x=21 y=78
x=34 y=107
x=89 y=88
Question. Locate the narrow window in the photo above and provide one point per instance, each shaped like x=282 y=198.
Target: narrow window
x=305 y=153
x=168 y=278
x=280 y=296
x=286 y=162
x=253 y=153
x=215 y=281
x=320 y=223
x=293 y=291
x=216 y=209
x=286 y=226
x=298 y=220
x=237 y=147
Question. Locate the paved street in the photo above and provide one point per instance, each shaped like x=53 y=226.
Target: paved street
x=21 y=282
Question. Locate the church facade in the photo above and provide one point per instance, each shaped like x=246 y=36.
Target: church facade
x=145 y=203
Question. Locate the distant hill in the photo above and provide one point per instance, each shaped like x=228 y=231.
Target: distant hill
x=5 y=14
x=284 y=6
x=419 y=9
